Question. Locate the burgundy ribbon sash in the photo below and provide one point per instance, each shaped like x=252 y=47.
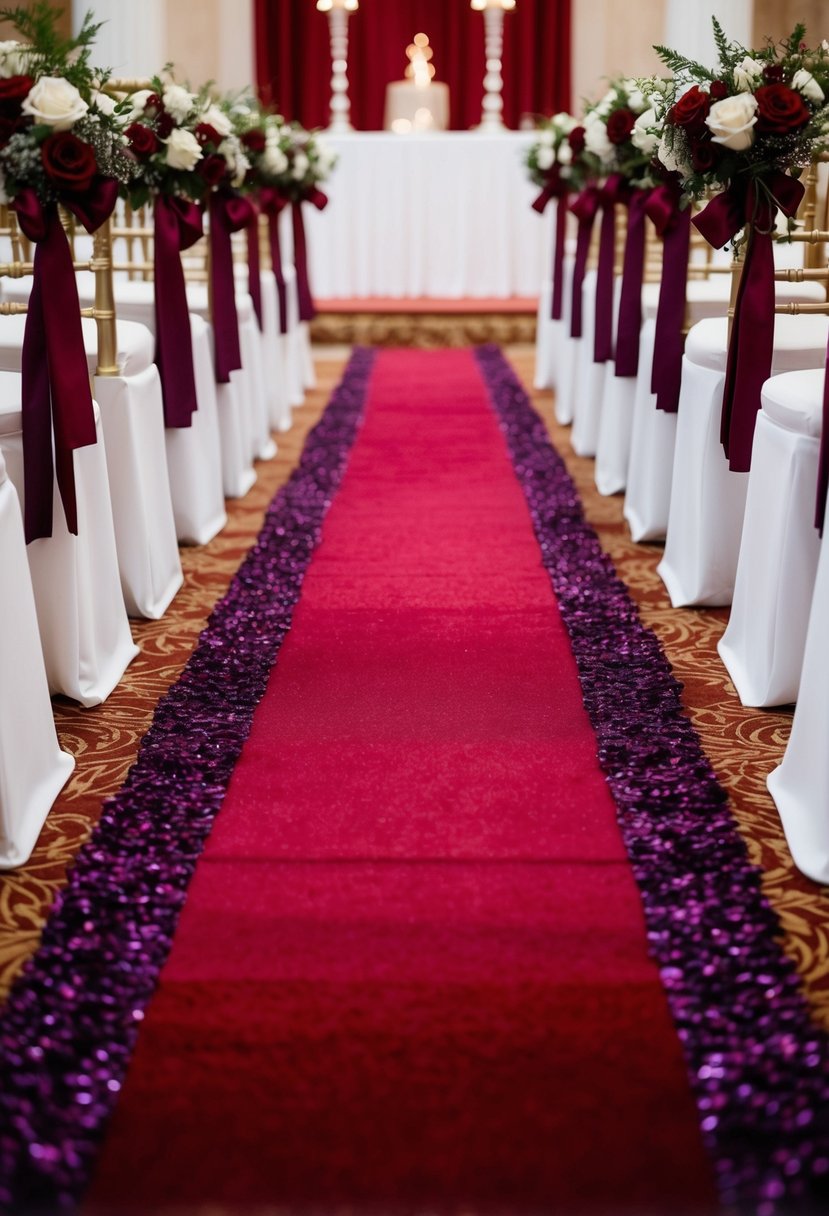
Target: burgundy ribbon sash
x=254 y=267
x=612 y=192
x=229 y=213
x=584 y=208
x=555 y=188
x=272 y=203
x=178 y=225
x=751 y=347
x=823 y=463
x=57 y=397
x=307 y=311
x=674 y=226
x=629 y=324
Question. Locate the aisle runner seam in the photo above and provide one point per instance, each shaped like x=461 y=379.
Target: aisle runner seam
x=70 y=1023
x=758 y=1065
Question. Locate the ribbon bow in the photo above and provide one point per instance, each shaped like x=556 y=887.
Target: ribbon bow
x=674 y=226
x=178 y=225
x=629 y=325
x=229 y=213
x=272 y=203
x=614 y=190
x=751 y=349
x=307 y=310
x=57 y=398
x=584 y=207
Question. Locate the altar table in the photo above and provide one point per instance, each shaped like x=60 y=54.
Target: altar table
x=438 y=214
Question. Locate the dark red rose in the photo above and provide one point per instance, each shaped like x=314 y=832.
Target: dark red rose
x=704 y=155
x=206 y=134
x=576 y=139
x=213 y=169
x=143 y=141
x=154 y=104
x=164 y=125
x=691 y=110
x=13 y=92
x=68 y=161
x=718 y=89
x=780 y=110
x=255 y=140
x=773 y=73
x=620 y=124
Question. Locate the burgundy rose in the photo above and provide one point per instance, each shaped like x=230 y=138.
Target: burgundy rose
x=704 y=155
x=620 y=124
x=154 y=104
x=206 y=134
x=691 y=110
x=164 y=125
x=68 y=161
x=143 y=141
x=780 y=110
x=13 y=92
x=255 y=140
x=213 y=169
x=773 y=73
x=718 y=89
x=576 y=139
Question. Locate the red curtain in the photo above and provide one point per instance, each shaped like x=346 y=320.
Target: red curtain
x=293 y=63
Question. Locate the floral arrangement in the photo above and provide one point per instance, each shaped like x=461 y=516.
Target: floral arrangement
x=183 y=142
x=559 y=152
x=310 y=162
x=756 y=111
x=267 y=142
x=623 y=130
x=58 y=132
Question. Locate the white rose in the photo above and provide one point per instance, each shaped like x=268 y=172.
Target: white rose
x=636 y=100
x=13 y=59
x=747 y=74
x=565 y=154
x=731 y=121
x=218 y=120
x=546 y=138
x=806 y=84
x=241 y=169
x=274 y=160
x=666 y=155
x=642 y=137
x=183 y=150
x=595 y=137
x=564 y=122
x=104 y=103
x=138 y=101
x=301 y=166
x=177 y=102
x=546 y=157
x=55 y=102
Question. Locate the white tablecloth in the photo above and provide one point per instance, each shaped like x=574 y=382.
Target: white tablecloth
x=444 y=215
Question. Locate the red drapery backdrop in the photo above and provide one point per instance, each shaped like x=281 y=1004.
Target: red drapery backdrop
x=293 y=64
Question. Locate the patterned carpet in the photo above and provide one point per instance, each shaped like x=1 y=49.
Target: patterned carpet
x=743 y=745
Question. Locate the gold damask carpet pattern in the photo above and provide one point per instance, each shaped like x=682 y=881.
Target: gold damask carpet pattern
x=743 y=745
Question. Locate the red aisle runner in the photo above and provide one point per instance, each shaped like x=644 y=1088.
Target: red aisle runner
x=411 y=972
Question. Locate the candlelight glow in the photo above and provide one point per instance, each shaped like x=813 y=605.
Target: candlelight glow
x=482 y=4
x=325 y=6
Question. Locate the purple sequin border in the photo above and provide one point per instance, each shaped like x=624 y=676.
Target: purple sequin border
x=69 y=1027
x=758 y=1065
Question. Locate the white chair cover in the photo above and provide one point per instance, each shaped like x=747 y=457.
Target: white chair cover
x=615 y=427
x=588 y=380
x=800 y=785
x=194 y=453
x=133 y=422
x=653 y=434
x=566 y=354
x=708 y=500
x=33 y=769
x=762 y=648
x=309 y=375
x=275 y=355
x=84 y=630
x=545 y=339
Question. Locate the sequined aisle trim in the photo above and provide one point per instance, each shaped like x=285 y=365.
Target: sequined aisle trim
x=70 y=1023
x=758 y=1065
